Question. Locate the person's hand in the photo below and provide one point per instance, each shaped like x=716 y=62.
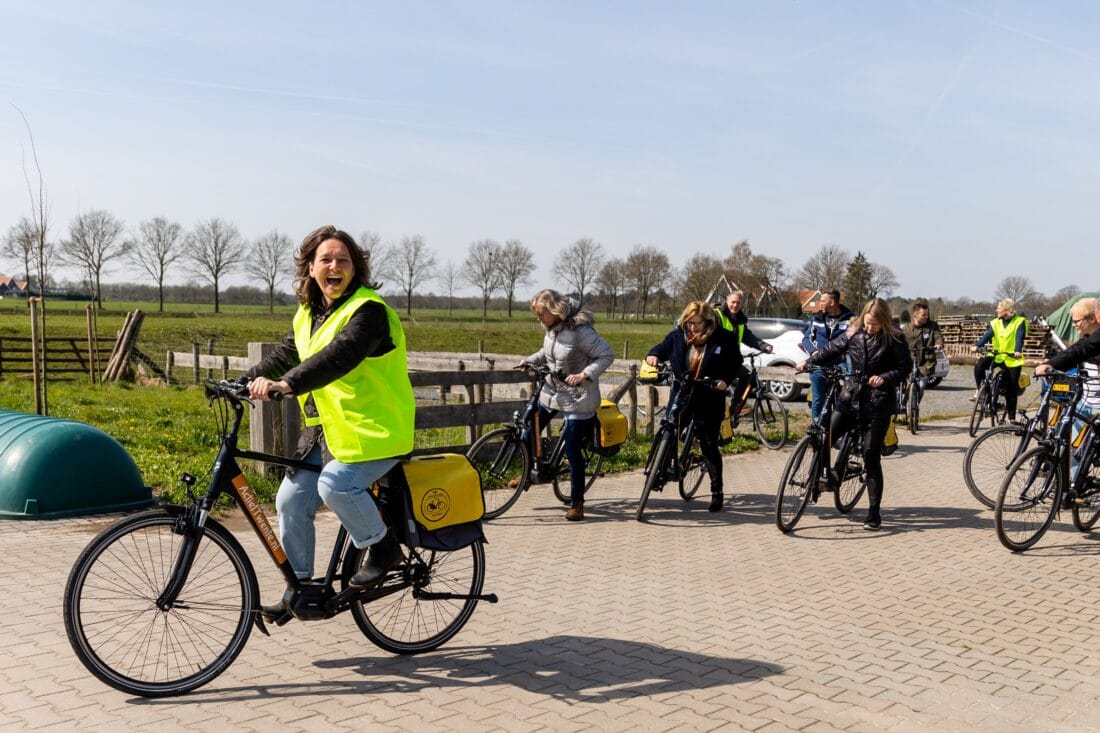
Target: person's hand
x=801 y=366
x=973 y=349
x=768 y=348
x=259 y=388
x=574 y=379
x=720 y=385
x=522 y=364
x=651 y=360
x=876 y=381
x=1043 y=369
x=1017 y=354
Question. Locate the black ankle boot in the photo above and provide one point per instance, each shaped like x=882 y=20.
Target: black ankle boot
x=715 y=502
x=381 y=557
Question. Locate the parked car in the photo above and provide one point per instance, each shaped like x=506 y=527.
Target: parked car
x=943 y=366
x=785 y=337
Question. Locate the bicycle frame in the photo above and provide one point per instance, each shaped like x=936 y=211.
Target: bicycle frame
x=684 y=385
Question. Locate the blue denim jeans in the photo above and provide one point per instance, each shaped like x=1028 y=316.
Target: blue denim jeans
x=1085 y=412
x=818 y=384
x=344 y=487
x=575 y=431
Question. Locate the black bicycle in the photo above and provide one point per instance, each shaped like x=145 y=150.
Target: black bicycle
x=675 y=453
x=989 y=404
x=162 y=602
x=810 y=470
x=508 y=465
x=910 y=393
x=1039 y=482
x=769 y=416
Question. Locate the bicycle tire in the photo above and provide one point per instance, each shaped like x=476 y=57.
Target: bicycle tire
x=987 y=460
x=1086 y=506
x=593 y=462
x=852 y=481
x=912 y=407
x=115 y=627
x=1029 y=498
x=402 y=623
x=795 y=485
x=503 y=461
x=978 y=414
x=657 y=467
x=694 y=468
x=769 y=420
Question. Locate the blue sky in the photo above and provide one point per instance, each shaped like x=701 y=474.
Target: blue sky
x=955 y=142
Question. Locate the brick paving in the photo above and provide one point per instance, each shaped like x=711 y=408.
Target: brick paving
x=688 y=621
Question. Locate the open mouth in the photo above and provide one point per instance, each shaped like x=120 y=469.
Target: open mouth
x=334 y=281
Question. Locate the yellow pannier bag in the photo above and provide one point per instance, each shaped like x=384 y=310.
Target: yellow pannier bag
x=725 y=428
x=890 y=440
x=611 y=428
x=444 y=490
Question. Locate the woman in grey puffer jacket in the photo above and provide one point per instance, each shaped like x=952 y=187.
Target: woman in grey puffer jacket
x=574 y=351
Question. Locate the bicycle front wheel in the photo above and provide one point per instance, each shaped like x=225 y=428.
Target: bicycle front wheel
x=693 y=469
x=981 y=409
x=504 y=463
x=429 y=600
x=912 y=407
x=593 y=462
x=852 y=480
x=988 y=458
x=799 y=476
x=123 y=638
x=769 y=419
x=1086 y=506
x=1029 y=498
x=657 y=467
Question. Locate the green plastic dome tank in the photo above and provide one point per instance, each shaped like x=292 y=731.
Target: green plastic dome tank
x=50 y=468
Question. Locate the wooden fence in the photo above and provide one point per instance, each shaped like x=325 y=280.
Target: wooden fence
x=64 y=355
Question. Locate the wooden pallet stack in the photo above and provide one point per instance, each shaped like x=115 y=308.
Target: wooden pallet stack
x=960 y=333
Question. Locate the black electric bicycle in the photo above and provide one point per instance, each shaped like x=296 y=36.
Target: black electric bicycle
x=769 y=416
x=162 y=602
x=989 y=404
x=810 y=470
x=507 y=466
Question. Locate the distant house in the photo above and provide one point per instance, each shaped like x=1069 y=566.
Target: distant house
x=810 y=300
x=12 y=288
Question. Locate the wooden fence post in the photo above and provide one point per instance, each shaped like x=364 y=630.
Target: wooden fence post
x=93 y=346
x=626 y=349
x=273 y=426
x=210 y=352
x=195 y=367
x=169 y=365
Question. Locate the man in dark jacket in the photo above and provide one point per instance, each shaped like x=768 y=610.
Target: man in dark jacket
x=731 y=318
x=824 y=326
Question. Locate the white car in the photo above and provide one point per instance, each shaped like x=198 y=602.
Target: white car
x=785 y=337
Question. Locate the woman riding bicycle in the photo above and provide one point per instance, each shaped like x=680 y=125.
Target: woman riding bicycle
x=1006 y=332
x=697 y=346
x=878 y=352
x=571 y=347
x=345 y=360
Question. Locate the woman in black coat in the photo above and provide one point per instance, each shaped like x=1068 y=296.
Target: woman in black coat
x=699 y=347
x=878 y=352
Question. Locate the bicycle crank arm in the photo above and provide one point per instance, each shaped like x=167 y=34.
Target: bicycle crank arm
x=429 y=596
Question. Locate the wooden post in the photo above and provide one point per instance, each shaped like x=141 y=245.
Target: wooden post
x=651 y=410
x=1 y=358
x=195 y=366
x=626 y=349
x=225 y=367
x=273 y=426
x=93 y=366
x=489 y=387
x=632 y=402
x=36 y=362
x=210 y=352
x=169 y=365
x=471 y=429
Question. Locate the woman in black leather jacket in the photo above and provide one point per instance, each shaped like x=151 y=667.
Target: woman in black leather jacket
x=878 y=353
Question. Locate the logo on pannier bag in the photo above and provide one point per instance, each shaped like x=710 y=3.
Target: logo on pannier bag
x=435 y=504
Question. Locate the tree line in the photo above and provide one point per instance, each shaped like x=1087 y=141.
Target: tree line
x=642 y=283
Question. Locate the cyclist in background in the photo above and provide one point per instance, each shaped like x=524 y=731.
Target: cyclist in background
x=345 y=359
x=1005 y=334
x=731 y=318
x=698 y=346
x=924 y=337
x=825 y=325
x=878 y=353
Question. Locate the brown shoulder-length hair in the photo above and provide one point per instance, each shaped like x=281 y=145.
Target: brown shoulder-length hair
x=305 y=287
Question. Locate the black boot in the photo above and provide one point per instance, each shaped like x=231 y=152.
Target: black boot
x=381 y=557
x=715 y=501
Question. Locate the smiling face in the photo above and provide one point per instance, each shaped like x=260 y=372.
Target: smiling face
x=733 y=302
x=332 y=269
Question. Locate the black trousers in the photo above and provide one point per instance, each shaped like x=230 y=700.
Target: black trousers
x=1010 y=382
x=706 y=431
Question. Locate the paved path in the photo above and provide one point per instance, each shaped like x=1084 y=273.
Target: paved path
x=689 y=621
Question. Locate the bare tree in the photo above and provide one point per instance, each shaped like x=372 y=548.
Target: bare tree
x=95 y=238
x=411 y=263
x=480 y=270
x=271 y=260
x=214 y=251
x=20 y=244
x=764 y=279
x=450 y=278
x=375 y=252
x=611 y=282
x=648 y=269
x=579 y=264
x=825 y=270
x=155 y=249
x=883 y=281
x=516 y=264
x=699 y=276
x=1016 y=287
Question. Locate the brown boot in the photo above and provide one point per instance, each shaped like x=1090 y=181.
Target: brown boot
x=575 y=513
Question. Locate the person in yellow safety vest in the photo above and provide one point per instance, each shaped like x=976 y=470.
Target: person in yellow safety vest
x=345 y=360
x=1006 y=335
x=733 y=319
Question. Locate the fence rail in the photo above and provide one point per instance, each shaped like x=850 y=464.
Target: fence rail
x=64 y=355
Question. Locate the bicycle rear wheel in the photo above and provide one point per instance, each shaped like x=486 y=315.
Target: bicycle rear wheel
x=123 y=638
x=1086 y=507
x=657 y=467
x=593 y=462
x=1029 y=498
x=980 y=411
x=850 y=476
x=988 y=458
x=769 y=419
x=912 y=407
x=796 y=484
x=504 y=463
x=404 y=621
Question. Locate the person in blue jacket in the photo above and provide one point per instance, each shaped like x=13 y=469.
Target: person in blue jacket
x=824 y=326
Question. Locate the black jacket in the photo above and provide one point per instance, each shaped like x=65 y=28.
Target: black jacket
x=870 y=356
x=1085 y=349
x=721 y=359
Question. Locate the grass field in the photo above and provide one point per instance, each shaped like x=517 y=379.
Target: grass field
x=169 y=430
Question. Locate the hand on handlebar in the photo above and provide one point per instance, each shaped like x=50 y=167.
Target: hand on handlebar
x=651 y=360
x=1043 y=370
x=262 y=388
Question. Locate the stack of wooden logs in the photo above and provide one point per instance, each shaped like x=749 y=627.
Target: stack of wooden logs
x=124 y=347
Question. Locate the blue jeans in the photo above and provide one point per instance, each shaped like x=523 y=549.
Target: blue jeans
x=344 y=487
x=819 y=383
x=574 y=433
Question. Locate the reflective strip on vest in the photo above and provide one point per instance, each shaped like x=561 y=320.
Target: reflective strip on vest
x=369 y=412
x=1004 y=339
